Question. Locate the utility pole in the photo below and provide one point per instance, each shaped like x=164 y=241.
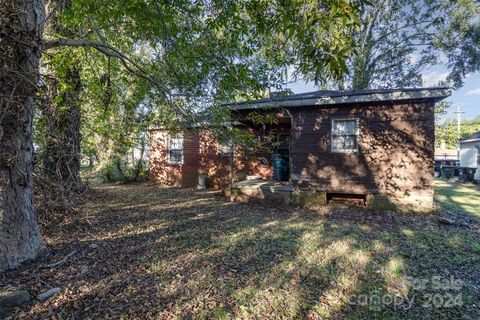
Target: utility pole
x=458 y=112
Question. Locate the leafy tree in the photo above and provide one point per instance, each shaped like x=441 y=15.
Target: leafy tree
x=441 y=109
x=187 y=52
x=459 y=38
x=448 y=132
x=397 y=40
x=58 y=120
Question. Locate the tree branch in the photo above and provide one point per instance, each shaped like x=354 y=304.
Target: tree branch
x=107 y=50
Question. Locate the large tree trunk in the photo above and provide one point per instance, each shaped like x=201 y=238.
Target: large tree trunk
x=21 y=27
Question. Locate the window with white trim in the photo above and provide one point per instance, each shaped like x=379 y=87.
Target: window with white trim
x=344 y=135
x=225 y=148
x=175 y=149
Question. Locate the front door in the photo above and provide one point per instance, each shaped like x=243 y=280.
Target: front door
x=281 y=158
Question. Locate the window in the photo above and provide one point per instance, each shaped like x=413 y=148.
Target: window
x=225 y=148
x=478 y=154
x=283 y=144
x=175 y=149
x=344 y=135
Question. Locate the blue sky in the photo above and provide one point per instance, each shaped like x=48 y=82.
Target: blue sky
x=468 y=96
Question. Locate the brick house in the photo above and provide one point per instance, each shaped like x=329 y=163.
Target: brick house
x=375 y=145
x=178 y=159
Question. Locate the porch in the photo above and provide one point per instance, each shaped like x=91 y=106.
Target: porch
x=271 y=130
x=260 y=191
x=272 y=191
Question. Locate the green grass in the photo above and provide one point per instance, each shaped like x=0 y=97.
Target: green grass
x=462 y=197
x=187 y=254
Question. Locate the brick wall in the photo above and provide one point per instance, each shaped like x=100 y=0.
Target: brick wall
x=201 y=156
x=395 y=149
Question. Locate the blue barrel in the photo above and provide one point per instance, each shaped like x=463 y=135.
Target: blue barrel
x=280 y=167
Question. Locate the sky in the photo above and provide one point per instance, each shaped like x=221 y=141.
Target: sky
x=468 y=96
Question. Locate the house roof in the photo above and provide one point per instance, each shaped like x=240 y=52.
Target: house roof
x=329 y=97
x=445 y=152
x=472 y=137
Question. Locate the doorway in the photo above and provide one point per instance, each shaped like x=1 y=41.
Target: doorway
x=281 y=158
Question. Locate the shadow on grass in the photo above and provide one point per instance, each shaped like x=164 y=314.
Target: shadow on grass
x=170 y=253
x=464 y=198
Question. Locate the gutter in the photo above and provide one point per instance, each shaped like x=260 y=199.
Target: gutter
x=469 y=140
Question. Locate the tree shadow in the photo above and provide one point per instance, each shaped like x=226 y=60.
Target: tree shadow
x=213 y=259
x=394 y=158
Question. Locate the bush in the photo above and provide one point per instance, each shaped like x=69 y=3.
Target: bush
x=119 y=169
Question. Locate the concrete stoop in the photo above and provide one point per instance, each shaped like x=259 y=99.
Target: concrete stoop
x=260 y=191
x=279 y=192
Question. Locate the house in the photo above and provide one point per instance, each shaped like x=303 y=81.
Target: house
x=470 y=153
x=444 y=155
x=372 y=145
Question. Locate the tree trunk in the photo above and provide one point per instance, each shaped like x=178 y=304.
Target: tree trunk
x=21 y=27
x=62 y=131
x=139 y=166
x=61 y=111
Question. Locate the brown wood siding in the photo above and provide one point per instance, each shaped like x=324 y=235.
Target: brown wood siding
x=395 y=149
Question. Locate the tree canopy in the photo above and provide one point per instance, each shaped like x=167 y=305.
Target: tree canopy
x=447 y=132
x=161 y=64
x=112 y=68
x=398 y=40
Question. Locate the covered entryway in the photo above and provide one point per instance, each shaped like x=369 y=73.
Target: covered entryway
x=272 y=130
x=281 y=158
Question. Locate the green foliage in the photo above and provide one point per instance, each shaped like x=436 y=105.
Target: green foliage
x=447 y=131
x=120 y=169
x=459 y=38
x=398 y=40
x=441 y=109
x=172 y=64
x=219 y=49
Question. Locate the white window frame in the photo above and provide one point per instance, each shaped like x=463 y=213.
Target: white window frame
x=225 y=148
x=357 y=133
x=170 y=138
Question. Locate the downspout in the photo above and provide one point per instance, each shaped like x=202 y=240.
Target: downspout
x=232 y=154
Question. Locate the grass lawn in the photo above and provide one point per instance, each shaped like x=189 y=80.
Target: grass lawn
x=145 y=252
x=462 y=197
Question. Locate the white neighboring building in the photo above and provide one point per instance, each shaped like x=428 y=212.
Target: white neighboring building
x=470 y=153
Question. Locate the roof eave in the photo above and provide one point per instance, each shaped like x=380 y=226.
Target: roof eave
x=434 y=94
